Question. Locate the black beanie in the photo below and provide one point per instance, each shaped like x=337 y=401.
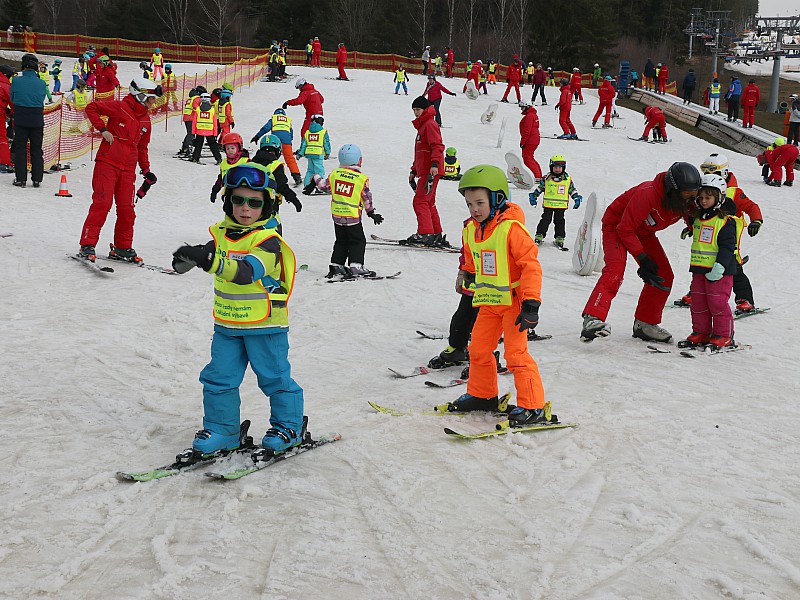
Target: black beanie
x=420 y=102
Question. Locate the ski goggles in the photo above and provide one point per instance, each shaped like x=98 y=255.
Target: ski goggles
x=246 y=175
x=251 y=202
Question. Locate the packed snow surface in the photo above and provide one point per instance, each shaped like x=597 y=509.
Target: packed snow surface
x=681 y=481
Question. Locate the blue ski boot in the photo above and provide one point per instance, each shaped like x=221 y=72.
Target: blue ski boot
x=521 y=417
x=279 y=439
x=208 y=442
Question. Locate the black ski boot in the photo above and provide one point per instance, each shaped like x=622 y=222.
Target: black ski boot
x=449 y=357
x=469 y=403
x=522 y=417
x=126 y=254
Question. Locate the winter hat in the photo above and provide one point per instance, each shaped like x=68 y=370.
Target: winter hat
x=420 y=102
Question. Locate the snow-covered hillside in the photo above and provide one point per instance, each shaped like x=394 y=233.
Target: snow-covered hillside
x=681 y=481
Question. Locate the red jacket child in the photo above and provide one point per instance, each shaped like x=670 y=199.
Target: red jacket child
x=564 y=107
x=577 y=85
x=529 y=139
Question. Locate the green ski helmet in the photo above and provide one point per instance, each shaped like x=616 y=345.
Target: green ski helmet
x=490 y=177
x=450 y=151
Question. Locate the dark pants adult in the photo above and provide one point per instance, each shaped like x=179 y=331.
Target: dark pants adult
x=424 y=67
x=212 y=143
x=794 y=133
x=538 y=89
x=733 y=108
x=461 y=322
x=188 y=139
x=687 y=95
x=557 y=216
x=350 y=244
x=22 y=136
x=438 y=116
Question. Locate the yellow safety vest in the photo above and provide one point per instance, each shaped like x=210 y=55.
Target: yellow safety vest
x=157 y=59
x=530 y=70
x=346 y=188
x=704 y=240
x=187 y=108
x=76 y=68
x=309 y=48
x=281 y=59
x=225 y=165
x=492 y=68
x=556 y=193
x=220 y=116
x=715 y=90
x=45 y=76
x=273 y=184
x=451 y=170
x=80 y=98
x=482 y=75
x=315 y=142
x=205 y=120
x=493 y=283
x=251 y=306
x=438 y=61
x=281 y=123
x=401 y=75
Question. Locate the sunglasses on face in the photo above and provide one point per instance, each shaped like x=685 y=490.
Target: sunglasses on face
x=251 y=202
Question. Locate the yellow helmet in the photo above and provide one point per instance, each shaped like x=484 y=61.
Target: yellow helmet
x=558 y=159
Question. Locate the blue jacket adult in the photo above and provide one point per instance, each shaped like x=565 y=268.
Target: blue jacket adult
x=735 y=89
x=27 y=95
x=649 y=69
x=690 y=81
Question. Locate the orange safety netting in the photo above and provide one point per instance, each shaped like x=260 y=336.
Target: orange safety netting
x=68 y=133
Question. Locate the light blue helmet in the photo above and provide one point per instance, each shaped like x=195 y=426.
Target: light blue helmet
x=158 y=50
x=279 y=111
x=349 y=155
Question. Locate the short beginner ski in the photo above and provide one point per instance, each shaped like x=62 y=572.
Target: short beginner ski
x=561 y=247
x=261 y=458
x=430 y=336
x=91 y=264
x=167 y=270
x=379 y=241
x=711 y=351
x=338 y=279
x=504 y=427
x=558 y=137
x=190 y=459
x=449 y=384
x=737 y=314
x=415 y=373
x=442 y=410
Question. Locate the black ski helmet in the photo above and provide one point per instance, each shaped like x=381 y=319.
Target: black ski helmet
x=682 y=177
x=7 y=70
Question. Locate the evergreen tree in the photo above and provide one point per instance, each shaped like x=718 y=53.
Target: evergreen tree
x=16 y=12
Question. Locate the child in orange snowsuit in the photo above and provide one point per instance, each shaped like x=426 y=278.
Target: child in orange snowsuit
x=502 y=260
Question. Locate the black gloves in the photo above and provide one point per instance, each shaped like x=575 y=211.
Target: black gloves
x=307 y=190
x=186 y=258
x=687 y=232
x=377 y=218
x=753 y=228
x=150 y=177
x=429 y=185
x=648 y=271
x=213 y=197
x=295 y=202
x=529 y=315
x=284 y=105
x=412 y=183
x=254 y=139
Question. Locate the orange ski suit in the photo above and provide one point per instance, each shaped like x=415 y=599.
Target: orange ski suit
x=525 y=277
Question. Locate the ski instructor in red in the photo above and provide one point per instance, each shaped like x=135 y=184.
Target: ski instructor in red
x=311 y=100
x=424 y=175
x=629 y=227
x=125 y=140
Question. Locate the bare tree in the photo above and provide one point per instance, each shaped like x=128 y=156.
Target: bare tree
x=419 y=16
x=353 y=18
x=497 y=21
x=522 y=12
x=451 y=17
x=469 y=21
x=220 y=16
x=53 y=9
x=174 y=14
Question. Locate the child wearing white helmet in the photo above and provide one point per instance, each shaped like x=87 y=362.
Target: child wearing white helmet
x=714 y=260
x=350 y=197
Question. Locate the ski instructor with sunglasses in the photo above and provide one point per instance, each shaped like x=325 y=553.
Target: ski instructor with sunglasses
x=126 y=136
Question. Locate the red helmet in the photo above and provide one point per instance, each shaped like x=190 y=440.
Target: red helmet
x=232 y=138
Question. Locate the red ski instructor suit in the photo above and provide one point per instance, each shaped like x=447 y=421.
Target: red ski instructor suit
x=428 y=152
x=529 y=139
x=114 y=174
x=311 y=100
x=629 y=226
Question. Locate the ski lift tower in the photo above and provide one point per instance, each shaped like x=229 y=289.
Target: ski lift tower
x=695 y=27
x=715 y=19
x=781 y=26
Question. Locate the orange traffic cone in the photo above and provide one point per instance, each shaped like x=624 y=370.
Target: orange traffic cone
x=62 y=189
